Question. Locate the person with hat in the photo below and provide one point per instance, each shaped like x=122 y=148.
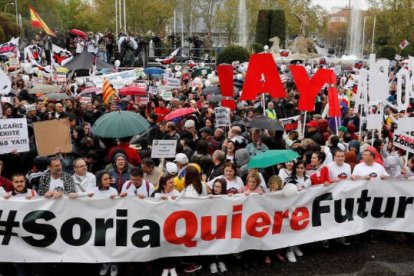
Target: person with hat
x=314 y=133
x=207 y=135
x=182 y=163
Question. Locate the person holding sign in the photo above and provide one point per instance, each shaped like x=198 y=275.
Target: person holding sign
x=369 y=169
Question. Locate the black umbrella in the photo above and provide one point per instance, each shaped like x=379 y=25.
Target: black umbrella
x=262 y=122
x=211 y=90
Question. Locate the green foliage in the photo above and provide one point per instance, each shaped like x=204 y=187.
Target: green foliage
x=8 y=26
x=387 y=51
x=232 y=53
x=2 y=35
x=278 y=26
x=270 y=23
x=257 y=47
x=382 y=41
x=408 y=51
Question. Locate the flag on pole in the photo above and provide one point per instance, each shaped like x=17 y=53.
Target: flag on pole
x=39 y=23
x=404 y=44
x=108 y=91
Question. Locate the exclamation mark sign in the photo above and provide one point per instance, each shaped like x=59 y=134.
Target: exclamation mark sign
x=225 y=74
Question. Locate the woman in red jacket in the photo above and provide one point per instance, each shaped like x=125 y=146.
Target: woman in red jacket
x=319 y=174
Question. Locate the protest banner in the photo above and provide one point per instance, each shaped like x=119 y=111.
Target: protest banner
x=291 y=123
x=13 y=135
x=141 y=100
x=222 y=115
x=44 y=230
x=14 y=62
x=37 y=80
x=404 y=141
x=163 y=148
x=152 y=90
x=118 y=80
x=172 y=82
x=6 y=99
x=52 y=136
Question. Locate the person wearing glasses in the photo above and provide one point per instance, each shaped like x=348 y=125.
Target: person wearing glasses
x=83 y=179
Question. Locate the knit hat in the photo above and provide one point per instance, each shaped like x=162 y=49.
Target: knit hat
x=119 y=154
x=343 y=129
x=189 y=123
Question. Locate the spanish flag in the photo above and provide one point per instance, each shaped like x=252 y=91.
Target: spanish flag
x=108 y=91
x=39 y=23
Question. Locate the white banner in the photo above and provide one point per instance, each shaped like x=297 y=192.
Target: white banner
x=89 y=230
x=118 y=80
x=13 y=135
x=172 y=82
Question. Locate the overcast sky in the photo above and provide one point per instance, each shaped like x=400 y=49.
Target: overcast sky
x=329 y=4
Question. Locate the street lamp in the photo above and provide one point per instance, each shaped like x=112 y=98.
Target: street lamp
x=15 y=6
x=5 y=7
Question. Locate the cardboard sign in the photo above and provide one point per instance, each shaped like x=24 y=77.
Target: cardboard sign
x=13 y=135
x=163 y=148
x=52 y=136
x=173 y=82
x=222 y=115
x=291 y=123
x=404 y=141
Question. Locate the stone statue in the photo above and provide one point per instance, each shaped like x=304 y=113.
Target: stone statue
x=275 y=49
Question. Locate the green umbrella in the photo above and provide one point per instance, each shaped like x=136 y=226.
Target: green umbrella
x=271 y=158
x=119 y=124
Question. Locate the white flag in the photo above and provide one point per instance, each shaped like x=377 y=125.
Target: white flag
x=59 y=56
x=5 y=83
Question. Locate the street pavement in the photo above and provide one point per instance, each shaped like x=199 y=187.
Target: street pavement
x=379 y=253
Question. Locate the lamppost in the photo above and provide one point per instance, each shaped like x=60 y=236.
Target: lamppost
x=15 y=6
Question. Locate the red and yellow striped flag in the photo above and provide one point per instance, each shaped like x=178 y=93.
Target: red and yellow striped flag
x=39 y=23
x=108 y=91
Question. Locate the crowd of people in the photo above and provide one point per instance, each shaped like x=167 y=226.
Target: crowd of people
x=209 y=160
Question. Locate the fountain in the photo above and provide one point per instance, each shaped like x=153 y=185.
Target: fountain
x=242 y=28
x=354 y=34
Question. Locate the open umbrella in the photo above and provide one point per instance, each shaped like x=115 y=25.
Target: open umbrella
x=119 y=124
x=271 y=158
x=56 y=96
x=262 y=122
x=203 y=71
x=211 y=90
x=133 y=91
x=44 y=89
x=153 y=71
x=179 y=113
x=78 y=33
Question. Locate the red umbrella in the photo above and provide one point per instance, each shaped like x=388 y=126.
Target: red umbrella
x=133 y=91
x=78 y=32
x=179 y=113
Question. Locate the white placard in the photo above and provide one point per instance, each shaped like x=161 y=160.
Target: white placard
x=152 y=90
x=13 y=135
x=374 y=121
x=405 y=124
x=222 y=115
x=5 y=99
x=173 y=82
x=163 y=148
x=85 y=99
x=166 y=95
